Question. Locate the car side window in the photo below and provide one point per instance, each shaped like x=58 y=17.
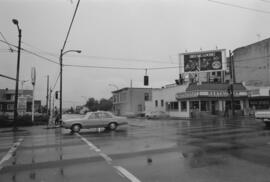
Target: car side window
x=106 y=115
x=97 y=115
x=91 y=116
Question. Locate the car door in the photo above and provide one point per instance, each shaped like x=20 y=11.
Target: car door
x=92 y=120
x=106 y=118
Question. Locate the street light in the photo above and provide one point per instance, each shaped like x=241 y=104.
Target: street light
x=17 y=74
x=62 y=53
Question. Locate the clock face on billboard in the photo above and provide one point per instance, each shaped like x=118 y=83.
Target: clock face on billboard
x=203 y=61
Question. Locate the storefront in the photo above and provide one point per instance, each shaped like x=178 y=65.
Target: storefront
x=213 y=99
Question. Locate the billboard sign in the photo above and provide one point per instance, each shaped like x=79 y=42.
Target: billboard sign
x=204 y=61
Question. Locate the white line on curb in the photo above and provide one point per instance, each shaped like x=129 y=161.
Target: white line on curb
x=10 y=152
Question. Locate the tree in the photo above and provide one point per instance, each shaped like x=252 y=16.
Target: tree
x=102 y=104
x=105 y=105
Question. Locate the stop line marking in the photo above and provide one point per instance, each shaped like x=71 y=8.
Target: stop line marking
x=120 y=170
x=10 y=153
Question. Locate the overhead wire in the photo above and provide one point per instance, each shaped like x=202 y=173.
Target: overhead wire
x=238 y=6
x=2 y=35
x=71 y=24
x=31 y=52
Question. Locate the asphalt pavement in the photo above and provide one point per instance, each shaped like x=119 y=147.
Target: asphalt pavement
x=146 y=150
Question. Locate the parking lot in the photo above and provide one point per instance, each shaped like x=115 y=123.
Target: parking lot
x=145 y=150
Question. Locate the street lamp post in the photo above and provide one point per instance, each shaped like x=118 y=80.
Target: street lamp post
x=62 y=53
x=17 y=74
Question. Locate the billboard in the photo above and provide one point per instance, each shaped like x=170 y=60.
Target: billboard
x=203 y=61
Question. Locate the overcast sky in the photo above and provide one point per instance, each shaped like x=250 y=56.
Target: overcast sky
x=120 y=33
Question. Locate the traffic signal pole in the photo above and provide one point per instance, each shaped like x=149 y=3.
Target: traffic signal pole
x=232 y=75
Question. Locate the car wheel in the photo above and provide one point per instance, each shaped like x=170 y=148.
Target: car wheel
x=76 y=128
x=112 y=126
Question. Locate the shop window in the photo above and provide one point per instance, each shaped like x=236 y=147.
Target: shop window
x=10 y=107
x=194 y=105
x=162 y=103
x=184 y=106
x=237 y=105
x=173 y=106
x=205 y=106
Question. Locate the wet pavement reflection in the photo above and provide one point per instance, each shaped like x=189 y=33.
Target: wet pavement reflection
x=214 y=149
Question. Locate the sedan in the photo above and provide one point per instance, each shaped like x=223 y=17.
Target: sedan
x=156 y=115
x=98 y=119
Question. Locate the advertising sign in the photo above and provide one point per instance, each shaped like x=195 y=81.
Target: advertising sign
x=205 y=61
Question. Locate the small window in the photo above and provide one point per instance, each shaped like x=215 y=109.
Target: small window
x=173 y=106
x=156 y=103
x=162 y=103
x=219 y=73
x=146 y=96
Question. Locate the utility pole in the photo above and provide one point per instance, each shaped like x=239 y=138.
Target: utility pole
x=47 y=96
x=17 y=76
x=232 y=81
x=61 y=84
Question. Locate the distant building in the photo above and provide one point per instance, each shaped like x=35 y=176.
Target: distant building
x=130 y=101
x=7 y=99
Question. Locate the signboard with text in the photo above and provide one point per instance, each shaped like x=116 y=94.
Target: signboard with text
x=22 y=104
x=204 y=61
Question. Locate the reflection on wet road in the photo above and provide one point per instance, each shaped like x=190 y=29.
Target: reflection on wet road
x=146 y=150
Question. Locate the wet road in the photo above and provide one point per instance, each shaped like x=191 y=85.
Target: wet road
x=146 y=150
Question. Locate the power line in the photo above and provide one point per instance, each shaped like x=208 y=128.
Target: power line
x=238 y=6
x=31 y=52
x=41 y=51
x=71 y=24
x=121 y=59
x=56 y=81
x=105 y=67
x=11 y=50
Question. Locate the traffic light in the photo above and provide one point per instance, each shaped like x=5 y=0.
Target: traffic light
x=56 y=94
x=146 y=80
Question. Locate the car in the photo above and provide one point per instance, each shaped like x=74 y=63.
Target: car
x=264 y=116
x=156 y=115
x=98 y=119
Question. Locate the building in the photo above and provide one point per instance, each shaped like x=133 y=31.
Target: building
x=130 y=101
x=164 y=99
x=252 y=63
x=192 y=100
x=7 y=99
x=252 y=67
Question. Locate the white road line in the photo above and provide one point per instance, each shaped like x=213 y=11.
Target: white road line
x=127 y=174
x=106 y=157
x=10 y=152
x=120 y=170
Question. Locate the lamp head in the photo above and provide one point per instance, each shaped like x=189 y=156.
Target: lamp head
x=15 y=21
